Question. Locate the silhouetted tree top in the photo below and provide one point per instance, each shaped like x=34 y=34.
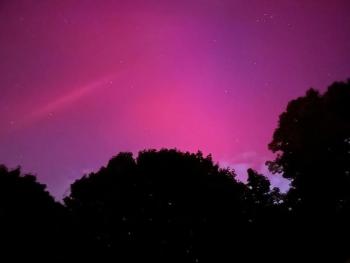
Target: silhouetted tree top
x=22 y=191
x=30 y=220
x=260 y=191
x=168 y=171
x=258 y=182
x=158 y=203
x=312 y=143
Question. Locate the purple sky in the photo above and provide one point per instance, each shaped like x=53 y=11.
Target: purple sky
x=82 y=80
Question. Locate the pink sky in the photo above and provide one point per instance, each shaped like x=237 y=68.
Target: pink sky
x=83 y=80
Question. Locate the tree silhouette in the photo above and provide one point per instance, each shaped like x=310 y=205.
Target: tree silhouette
x=312 y=143
x=30 y=219
x=164 y=205
x=260 y=187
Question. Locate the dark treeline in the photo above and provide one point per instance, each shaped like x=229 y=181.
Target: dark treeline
x=172 y=206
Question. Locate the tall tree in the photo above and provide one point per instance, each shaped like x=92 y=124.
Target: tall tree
x=313 y=146
x=312 y=142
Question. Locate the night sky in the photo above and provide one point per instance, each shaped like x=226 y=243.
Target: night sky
x=83 y=80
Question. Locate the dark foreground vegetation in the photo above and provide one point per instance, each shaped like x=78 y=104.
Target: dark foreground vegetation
x=171 y=206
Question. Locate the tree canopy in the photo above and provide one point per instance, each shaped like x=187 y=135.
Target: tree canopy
x=312 y=143
x=161 y=204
